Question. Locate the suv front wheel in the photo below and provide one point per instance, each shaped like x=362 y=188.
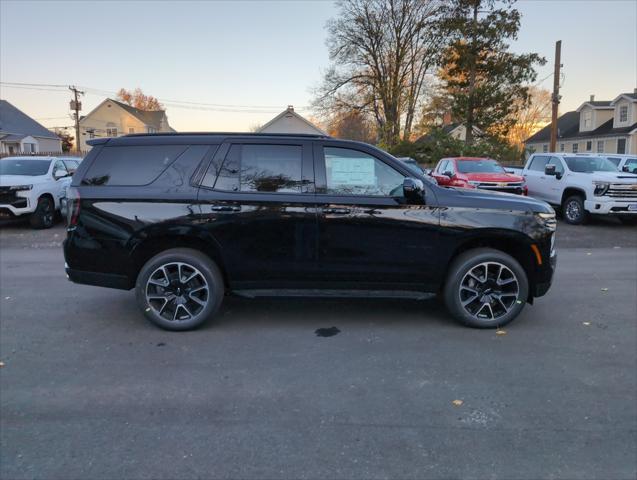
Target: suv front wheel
x=179 y=289
x=573 y=210
x=485 y=288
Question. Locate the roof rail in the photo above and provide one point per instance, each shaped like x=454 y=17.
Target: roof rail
x=236 y=134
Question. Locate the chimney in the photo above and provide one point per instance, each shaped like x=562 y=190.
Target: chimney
x=290 y=108
x=592 y=98
x=446 y=119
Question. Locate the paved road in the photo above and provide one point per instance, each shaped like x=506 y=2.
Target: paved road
x=90 y=390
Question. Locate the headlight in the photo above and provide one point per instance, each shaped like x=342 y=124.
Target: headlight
x=20 y=187
x=548 y=219
x=600 y=188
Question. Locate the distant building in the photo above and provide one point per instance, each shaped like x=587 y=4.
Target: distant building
x=19 y=133
x=288 y=121
x=114 y=119
x=608 y=126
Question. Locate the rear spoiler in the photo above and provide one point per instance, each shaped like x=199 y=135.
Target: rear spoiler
x=97 y=141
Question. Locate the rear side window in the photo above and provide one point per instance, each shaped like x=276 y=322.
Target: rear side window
x=131 y=165
x=538 y=163
x=258 y=168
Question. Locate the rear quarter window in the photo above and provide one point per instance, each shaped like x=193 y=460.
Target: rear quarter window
x=131 y=165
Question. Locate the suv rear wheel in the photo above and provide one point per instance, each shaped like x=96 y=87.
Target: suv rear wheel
x=573 y=210
x=44 y=214
x=485 y=288
x=179 y=289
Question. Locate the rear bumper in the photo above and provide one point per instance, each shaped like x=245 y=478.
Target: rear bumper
x=98 y=279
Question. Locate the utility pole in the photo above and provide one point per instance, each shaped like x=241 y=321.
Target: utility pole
x=556 y=94
x=77 y=106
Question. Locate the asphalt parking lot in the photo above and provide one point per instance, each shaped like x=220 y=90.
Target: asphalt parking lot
x=89 y=389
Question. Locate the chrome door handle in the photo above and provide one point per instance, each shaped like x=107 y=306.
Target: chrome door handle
x=225 y=208
x=337 y=211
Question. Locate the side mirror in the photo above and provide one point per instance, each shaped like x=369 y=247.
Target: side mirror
x=626 y=168
x=60 y=174
x=413 y=189
x=550 y=170
x=448 y=174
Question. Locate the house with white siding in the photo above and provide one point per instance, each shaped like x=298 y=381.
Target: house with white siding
x=608 y=126
x=288 y=121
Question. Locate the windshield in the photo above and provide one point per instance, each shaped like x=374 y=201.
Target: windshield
x=590 y=164
x=479 y=166
x=16 y=166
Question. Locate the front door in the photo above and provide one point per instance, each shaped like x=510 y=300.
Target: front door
x=257 y=203
x=369 y=235
x=535 y=177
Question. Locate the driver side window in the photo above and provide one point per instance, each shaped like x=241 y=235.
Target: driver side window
x=59 y=165
x=352 y=172
x=559 y=168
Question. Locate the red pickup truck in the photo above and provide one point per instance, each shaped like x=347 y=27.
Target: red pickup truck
x=475 y=172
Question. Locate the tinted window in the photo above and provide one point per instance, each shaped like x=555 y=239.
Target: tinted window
x=132 y=165
x=479 y=166
x=442 y=166
x=615 y=160
x=538 y=163
x=590 y=164
x=59 y=165
x=71 y=165
x=16 y=166
x=559 y=168
x=351 y=172
x=258 y=168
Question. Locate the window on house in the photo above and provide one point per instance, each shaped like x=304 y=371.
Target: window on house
x=91 y=133
x=623 y=113
x=589 y=145
x=545 y=148
x=111 y=132
x=600 y=146
x=587 y=119
x=151 y=130
x=621 y=145
x=562 y=147
x=575 y=147
x=131 y=130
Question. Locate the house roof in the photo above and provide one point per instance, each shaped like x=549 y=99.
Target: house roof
x=152 y=118
x=14 y=121
x=290 y=111
x=567 y=126
x=606 y=130
x=597 y=105
x=629 y=96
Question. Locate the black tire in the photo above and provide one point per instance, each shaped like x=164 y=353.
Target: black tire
x=44 y=215
x=573 y=210
x=179 y=305
x=485 y=314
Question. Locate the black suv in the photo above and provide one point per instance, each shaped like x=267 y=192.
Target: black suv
x=187 y=218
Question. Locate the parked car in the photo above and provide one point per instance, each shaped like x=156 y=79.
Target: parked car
x=582 y=185
x=624 y=163
x=187 y=218
x=33 y=187
x=475 y=172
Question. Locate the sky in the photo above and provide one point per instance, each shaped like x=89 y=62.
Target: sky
x=257 y=57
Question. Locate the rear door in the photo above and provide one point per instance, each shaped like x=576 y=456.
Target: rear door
x=257 y=202
x=536 y=178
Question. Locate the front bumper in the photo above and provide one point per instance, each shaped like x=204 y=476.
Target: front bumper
x=616 y=206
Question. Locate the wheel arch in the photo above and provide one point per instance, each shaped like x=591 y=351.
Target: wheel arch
x=516 y=244
x=570 y=191
x=156 y=239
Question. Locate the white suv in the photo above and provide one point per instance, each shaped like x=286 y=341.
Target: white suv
x=581 y=185
x=33 y=186
x=623 y=162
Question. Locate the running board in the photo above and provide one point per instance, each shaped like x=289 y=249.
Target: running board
x=320 y=293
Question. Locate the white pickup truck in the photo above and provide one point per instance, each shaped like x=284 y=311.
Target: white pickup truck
x=34 y=186
x=581 y=185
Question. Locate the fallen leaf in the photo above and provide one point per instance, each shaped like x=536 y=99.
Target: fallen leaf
x=586 y=323
x=604 y=289
x=7 y=298
x=588 y=253
x=500 y=332
x=457 y=403
x=1 y=364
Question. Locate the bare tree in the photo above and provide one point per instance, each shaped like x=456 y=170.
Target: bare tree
x=532 y=115
x=381 y=51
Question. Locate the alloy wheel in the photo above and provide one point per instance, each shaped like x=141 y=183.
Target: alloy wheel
x=47 y=214
x=177 y=291
x=489 y=291
x=573 y=210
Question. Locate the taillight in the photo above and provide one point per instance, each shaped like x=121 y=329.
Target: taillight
x=73 y=206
